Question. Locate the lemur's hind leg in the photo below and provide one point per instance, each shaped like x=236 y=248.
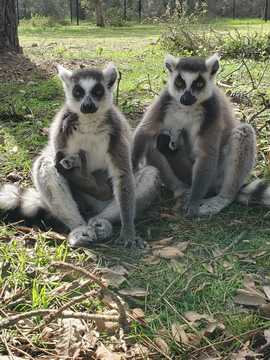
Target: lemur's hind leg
x=55 y=193
x=147 y=183
x=238 y=164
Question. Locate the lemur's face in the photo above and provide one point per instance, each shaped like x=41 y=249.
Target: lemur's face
x=89 y=91
x=191 y=80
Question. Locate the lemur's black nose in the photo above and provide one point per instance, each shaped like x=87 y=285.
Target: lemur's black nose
x=187 y=99
x=88 y=107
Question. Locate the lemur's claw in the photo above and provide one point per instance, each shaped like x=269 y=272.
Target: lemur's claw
x=133 y=242
x=82 y=236
x=102 y=227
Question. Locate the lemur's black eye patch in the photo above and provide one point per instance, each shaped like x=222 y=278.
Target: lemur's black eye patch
x=78 y=92
x=98 y=91
x=198 y=84
x=179 y=82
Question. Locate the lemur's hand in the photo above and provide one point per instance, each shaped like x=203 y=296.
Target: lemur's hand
x=70 y=123
x=58 y=158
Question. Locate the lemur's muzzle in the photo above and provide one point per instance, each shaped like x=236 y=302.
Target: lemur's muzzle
x=88 y=106
x=187 y=98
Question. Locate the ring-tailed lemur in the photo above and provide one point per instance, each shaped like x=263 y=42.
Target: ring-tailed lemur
x=216 y=152
x=90 y=131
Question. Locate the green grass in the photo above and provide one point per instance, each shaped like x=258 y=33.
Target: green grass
x=25 y=259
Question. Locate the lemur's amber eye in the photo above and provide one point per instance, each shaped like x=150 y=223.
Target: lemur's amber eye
x=179 y=82
x=78 y=92
x=198 y=84
x=98 y=91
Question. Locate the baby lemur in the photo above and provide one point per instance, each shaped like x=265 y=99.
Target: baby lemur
x=214 y=153
x=86 y=166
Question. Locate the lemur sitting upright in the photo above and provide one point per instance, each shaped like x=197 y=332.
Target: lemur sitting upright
x=216 y=152
x=92 y=131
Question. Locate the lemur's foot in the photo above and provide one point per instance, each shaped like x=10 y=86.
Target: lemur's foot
x=213 y=205
x=127 y=241
x=82 y=236
x=102 y=227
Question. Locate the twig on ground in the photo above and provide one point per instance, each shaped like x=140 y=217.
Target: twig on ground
x=14 y=319
x=122 y=312
x=249 y=74
x=57 y=313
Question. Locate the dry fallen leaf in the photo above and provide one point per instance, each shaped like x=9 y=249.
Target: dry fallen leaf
x=135 y=292
x=209 y=268
x=107 y=326
x=162 y=345
x=214 y=328
x=69 y=338
x=112 y=278
x=119 y=269
x=266 y=290
x=248 y=298
x=138 y=313
x=179 y=334
x=245 y=355
x=90 y=339
x=193 y=316
x=102 y=353
x=138 y=351
x=151 y=260
x=168 y=252
x=182 y=245
x=162 y=242
x=265 y=309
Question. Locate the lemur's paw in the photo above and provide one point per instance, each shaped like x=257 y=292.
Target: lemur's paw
x=82 y=236
x=134 y=242
x=213 y=206
x=182 y=198
x=102 y=227
x=70 y=123
x=191 y=210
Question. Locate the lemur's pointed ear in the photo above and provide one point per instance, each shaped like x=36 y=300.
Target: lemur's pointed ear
x=171 y=62
x=63 y=73
x=110 y=75
x=212 y=64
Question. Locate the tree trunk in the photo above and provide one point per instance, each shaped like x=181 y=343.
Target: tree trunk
x=234 y=9
x=125 y=10
x=8 y=26
x=266 y=6
x=99 y=13
x=190 y=6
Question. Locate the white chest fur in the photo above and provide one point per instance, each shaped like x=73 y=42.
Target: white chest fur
x=178 y=118
x=94 y=143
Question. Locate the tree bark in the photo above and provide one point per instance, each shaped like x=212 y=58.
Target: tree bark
x=99 y=13
x=8 y=26
x=266 y=6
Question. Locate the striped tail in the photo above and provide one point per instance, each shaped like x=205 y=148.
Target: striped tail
x=22 y=204
x=256 y=193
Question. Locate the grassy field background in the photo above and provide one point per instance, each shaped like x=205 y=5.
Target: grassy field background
x=218 y=253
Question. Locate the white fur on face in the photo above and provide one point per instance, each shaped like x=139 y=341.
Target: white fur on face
x=189 y=77
x=87 y=84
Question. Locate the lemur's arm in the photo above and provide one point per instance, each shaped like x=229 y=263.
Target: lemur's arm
x=95 y=184
x=124 y=187
x=66 y=125
x=204 y=168
x=141 y=141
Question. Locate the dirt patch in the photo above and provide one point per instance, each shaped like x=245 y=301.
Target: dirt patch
x=19 y=68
